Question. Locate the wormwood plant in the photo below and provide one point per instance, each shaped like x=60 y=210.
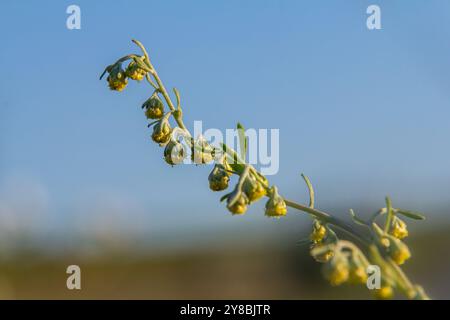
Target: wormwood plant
x=376 y=241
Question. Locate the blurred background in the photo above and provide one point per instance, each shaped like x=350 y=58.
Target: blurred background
x=363 y=113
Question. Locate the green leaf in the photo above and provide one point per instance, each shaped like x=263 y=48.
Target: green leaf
x=310 y=189
x=225 y=196
x=332 y=236
x=356 y=219
x=242 y=141
x=237 y=167
x=177 y=94
x=233 y=157
x=411 y=214
x=390 y=214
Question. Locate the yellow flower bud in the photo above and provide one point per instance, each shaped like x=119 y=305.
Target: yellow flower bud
x=228 y=169
x=275 y=206
x=174 y=153
x=385 y=292
x=237 y=202
x=399 y=251
x=337 y=270
x=117 y=79
x=318 y=233
x=358 y=275
x=398 y=228
x=218 y=178
x=383 y=237
x=358 y=265
x=253 y=189
x=319 y=255
x=154 y=108
x=133 y=71
x=161 y=131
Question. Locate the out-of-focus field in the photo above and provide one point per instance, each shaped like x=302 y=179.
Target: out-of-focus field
x=252 y=272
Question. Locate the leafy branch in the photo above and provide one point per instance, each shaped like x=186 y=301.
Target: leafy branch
x=343 y=261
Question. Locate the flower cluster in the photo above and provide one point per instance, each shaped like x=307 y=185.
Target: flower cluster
x=348 y=264
x=118 y=77
x=343 y=261
x=252 y=185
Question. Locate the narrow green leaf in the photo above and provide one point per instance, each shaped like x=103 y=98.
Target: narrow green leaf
x=390 y=214
x=411 y=214
x=225 y=196
x=310 y=189
x=177 y=94
x=242 y=141
x=356 y=219
x=233 y=157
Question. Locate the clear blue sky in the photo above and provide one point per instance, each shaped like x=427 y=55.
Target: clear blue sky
x=363 y=113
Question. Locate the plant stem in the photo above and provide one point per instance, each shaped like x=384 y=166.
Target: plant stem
x=327 y=218
x=161 y=88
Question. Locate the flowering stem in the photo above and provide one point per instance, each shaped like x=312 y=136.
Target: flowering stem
x=393 y=270
x=161 y=88
x=405 y=285
x=371 y=241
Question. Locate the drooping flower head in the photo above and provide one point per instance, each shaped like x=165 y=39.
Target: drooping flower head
x=154 y=108
x=117 y=79
x=134 y=71
x=275 y=206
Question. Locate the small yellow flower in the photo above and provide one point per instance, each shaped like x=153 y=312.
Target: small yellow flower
x=275 y=206
x=237 y=202
x=117 y=84
x=117 y=79
x=337 y=270
x=154 y=108
x=161 y=131
x=358 y=265
x=398 y=228
x=154 y=113
x=321 y=256
x=358 y=275
x=385 y=292
x=254 y=189
x=399 y=251
x=133 y=71
x=318 y=233
x=227 y=167
x=174 y=153
x=218 y=178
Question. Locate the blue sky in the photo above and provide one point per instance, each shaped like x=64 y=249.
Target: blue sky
x=363 y=113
